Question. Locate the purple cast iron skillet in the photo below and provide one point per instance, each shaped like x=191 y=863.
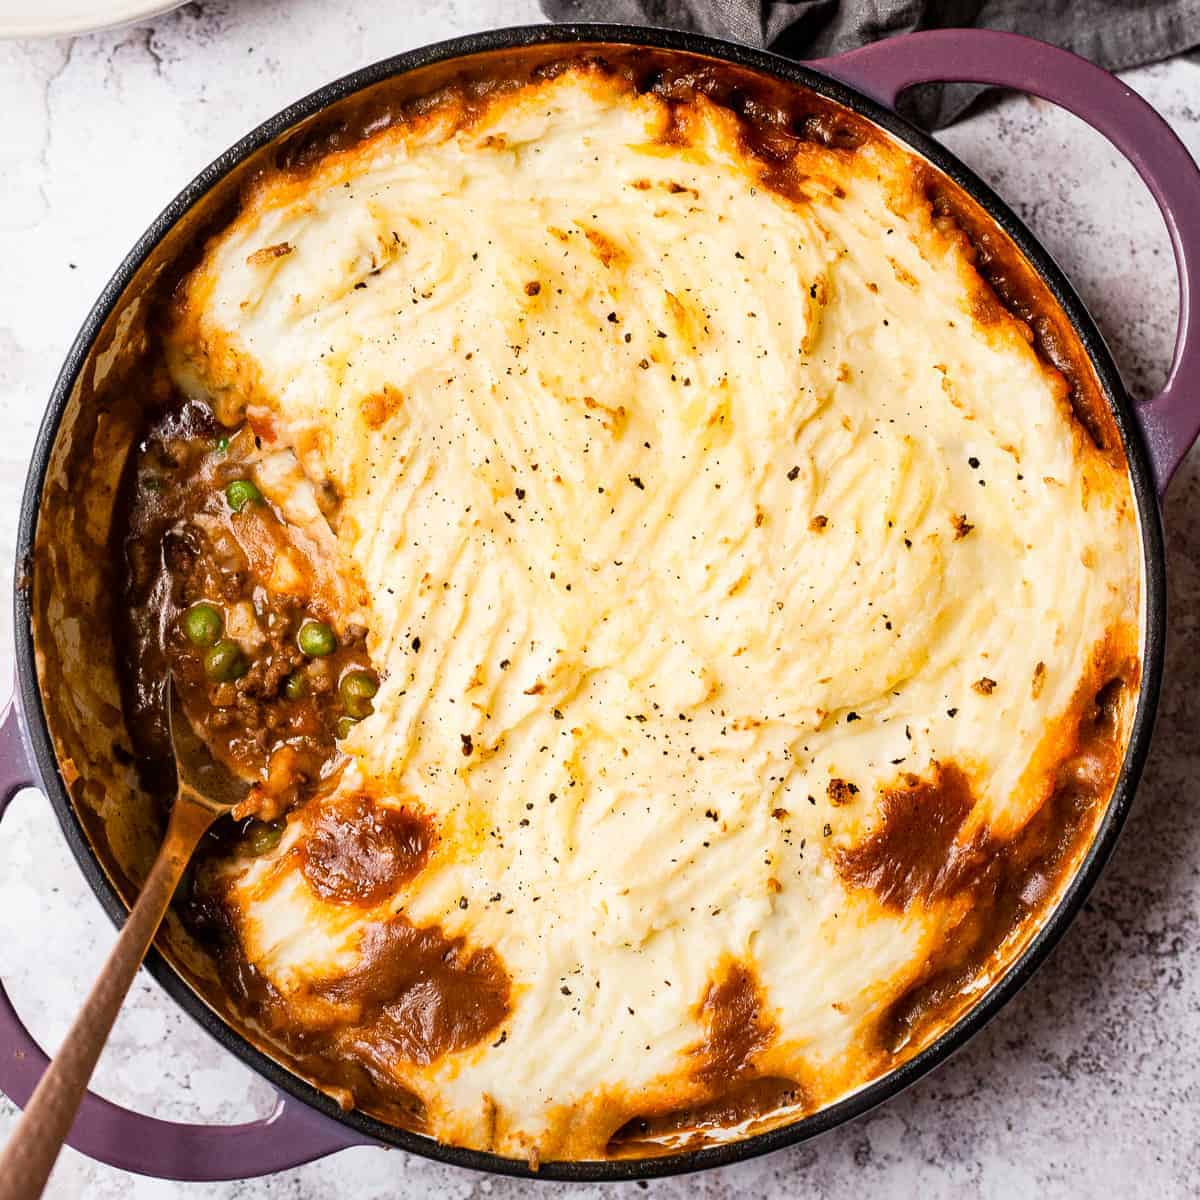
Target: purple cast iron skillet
x=305 y=1124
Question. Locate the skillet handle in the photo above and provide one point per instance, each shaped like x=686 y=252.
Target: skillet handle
x=1170 y=422
x=292 y=1134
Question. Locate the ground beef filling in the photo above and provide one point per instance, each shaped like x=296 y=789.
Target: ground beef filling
x=226 y=598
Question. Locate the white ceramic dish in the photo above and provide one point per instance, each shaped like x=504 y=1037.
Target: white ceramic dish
x=58 y=18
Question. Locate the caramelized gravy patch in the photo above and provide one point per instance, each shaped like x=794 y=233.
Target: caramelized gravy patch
x=736 y=1026
x=418 y=994
x=914 y=853
x=737 y=1031
x=745 y=1100
x=357 y=852
x=1014 y=881
x=350 y=1080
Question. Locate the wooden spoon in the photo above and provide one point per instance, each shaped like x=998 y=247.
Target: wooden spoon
x=207 y=790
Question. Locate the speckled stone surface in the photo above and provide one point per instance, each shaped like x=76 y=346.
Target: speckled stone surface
x=1087 y=1085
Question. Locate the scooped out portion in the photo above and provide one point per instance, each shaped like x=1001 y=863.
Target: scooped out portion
x=682 y=627
x=233 y=588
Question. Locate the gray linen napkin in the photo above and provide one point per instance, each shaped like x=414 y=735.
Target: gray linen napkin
x=1113 y=33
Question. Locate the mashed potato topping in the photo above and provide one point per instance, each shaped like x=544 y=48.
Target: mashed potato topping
x=740 y=582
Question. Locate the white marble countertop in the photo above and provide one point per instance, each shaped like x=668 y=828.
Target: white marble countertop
x=1087 y=1085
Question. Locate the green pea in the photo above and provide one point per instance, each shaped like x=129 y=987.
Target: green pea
x=357 y=689
x=344 y=725
x=242 y=492
x=295 y=686
x=263 y=836
x=225 y=662
x=203 y=624
x=221 y=445
x=316 y=639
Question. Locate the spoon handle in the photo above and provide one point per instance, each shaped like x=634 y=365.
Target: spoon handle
x=32 y=1149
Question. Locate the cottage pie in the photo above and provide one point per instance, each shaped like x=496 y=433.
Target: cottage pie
x=681 y=630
